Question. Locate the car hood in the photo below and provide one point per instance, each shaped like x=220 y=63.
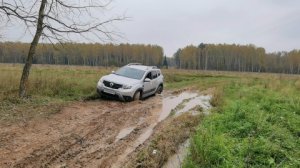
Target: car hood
x=120 y=79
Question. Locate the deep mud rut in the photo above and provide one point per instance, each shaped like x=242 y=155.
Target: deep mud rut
x=98 y=133
x=82 y=135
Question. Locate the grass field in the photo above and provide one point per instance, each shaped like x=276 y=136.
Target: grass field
x=257 y=124
x=255 y=121
x=50 y=87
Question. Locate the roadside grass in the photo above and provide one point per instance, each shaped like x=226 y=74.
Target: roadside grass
x=257 y=125
x=63 y=82
x=254 y=123
x=50 y=88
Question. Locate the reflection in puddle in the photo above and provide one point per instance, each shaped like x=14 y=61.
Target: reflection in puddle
x=202 y=101
x=124 y=132
x=176 y=160
x=192 y=100
x=144 y=136
x=187 y=101
x=140 y=140
x=171 y=102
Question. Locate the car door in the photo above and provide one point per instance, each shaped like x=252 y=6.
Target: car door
x=148 y=85
x=154 y=79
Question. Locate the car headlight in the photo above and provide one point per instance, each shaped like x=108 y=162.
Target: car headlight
x=127 y=87
x=100 y=82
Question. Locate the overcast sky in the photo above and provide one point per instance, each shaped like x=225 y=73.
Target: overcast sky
x=173 y=24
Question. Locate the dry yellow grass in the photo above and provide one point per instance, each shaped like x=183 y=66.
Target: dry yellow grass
x=59 y=84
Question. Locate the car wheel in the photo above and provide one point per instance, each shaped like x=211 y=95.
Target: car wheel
x=99 y=94
x=137 y=96
x=159 y=89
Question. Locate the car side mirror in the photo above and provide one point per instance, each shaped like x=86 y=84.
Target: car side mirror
x=147 y=80
x=112 y=72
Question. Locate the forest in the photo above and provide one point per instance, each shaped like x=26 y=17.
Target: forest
x=83 y=54
x=231 y=57
x=220 y=57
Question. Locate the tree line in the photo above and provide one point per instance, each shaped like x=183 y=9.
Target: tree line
x=83 y=54
x=232 y=57
x=220 y=57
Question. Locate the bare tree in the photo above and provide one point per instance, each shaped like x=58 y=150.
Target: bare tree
x=57 y=20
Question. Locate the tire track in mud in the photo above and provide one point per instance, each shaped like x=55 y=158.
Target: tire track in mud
x=82 y=135
x=86 y=134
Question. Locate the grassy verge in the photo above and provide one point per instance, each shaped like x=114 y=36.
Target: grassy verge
x=257 y=125
x=50 y=88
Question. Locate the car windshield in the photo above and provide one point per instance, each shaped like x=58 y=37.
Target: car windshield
x=130 y=73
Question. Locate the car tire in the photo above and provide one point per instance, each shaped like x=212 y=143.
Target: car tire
x=136 y=96
x=159 y=89
x=99 y=93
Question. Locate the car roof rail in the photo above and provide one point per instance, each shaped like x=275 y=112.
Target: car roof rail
x=136 y=63
x=154 y=67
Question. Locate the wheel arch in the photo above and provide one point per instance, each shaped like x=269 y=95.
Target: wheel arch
x=139 y=90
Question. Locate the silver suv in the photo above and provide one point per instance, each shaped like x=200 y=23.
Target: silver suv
x=131 y=82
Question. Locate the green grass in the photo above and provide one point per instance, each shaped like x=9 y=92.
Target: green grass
x=257 y=125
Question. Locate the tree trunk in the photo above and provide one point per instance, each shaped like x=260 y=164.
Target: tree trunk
x=206 y=59
x=32 y=49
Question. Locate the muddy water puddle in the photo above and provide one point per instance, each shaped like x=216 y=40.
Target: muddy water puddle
x=163 y=108
x=187 y=101
x=200 y=100
x=124 y=132
x=171 y=102
x=176 y=160
x=183 y=102
x=188 y=105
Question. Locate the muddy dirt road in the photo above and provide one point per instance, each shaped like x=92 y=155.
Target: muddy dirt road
x=98 y=133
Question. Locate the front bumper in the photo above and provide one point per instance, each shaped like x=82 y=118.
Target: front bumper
x=122 y=94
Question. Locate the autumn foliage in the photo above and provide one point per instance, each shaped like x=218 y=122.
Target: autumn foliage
x=83 y=54
x=242 y=58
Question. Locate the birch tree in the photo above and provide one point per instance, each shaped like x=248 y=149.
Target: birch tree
x=56 y=21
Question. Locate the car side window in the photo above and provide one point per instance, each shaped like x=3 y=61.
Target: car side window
x=149 y=75
x=154 y=74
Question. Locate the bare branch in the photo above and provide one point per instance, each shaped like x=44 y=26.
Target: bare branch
x=82 y=7
x=56 y=21
x=16 y=12
x=62 y=18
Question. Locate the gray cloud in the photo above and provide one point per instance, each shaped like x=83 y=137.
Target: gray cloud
x=173 y=23
x=272 y=24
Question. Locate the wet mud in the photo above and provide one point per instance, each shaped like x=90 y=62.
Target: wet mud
x=100 y=133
